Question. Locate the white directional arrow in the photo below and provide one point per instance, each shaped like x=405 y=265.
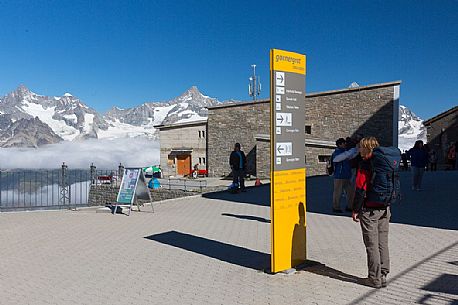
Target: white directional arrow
x=284 y=119
x=284 y=148
x=280 y=78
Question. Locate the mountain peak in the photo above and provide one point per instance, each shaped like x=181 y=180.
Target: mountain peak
x=22 y=89
x=193 y=91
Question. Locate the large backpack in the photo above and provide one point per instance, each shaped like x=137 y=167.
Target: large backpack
x=386 y=187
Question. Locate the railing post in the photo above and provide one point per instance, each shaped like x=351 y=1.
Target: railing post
x=92 y=169
x=120 y=171
x=64 y=187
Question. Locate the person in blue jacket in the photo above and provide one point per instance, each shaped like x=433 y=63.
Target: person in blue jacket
x=418 y=161
x=342 y=174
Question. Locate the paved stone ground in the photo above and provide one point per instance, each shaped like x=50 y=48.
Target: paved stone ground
x=213 y=250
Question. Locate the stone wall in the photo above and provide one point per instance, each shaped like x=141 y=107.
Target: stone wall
x=370 y=110
x=230 y=124
x=442 y=130
x=101 y=195
x=192 y=136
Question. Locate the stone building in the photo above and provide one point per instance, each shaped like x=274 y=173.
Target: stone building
x=183 y=146
x=441 y=131
x=370 y=110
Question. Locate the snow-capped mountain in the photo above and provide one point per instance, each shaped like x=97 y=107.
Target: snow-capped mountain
x=410 y=128
x=67 y=117
x=28 y=133
x=140 y=121
x=70 y=119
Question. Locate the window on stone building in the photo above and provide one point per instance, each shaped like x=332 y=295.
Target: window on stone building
x=203 y=134
x=200 y=134
x=170 y=160
x=305 y=159
x=200 y=160
x=323 y=158
x=203 y=159
x=308 y=129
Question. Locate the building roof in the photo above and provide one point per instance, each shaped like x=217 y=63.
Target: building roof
x=314 y=94
x=440 y=116
x=187 y=124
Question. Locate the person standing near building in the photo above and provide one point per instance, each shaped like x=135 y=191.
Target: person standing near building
x=377 y=186
x=342 y=174
x=432 y=158
x=418 y=162
x=451 y=157
x=237 y=161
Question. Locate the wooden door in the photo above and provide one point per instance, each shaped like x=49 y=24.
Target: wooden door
x=183 y=164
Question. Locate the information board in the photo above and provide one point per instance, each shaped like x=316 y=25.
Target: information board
x=133 y=186
x=287 y=108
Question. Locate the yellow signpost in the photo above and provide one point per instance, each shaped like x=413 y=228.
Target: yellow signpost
x=287 y=190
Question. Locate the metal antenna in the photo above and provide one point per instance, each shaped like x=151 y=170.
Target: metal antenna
x=254 y=87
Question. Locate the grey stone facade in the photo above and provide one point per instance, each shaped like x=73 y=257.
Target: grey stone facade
x=234 y=123
x=441 y=131
x=188 y=138
x=370 y=111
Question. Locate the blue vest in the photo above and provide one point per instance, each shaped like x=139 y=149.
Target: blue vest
x=342 y=170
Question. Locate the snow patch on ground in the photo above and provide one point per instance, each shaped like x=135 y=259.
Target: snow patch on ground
x=88 y=122
x=71 y=117
x=45 y=115
x=123 y=130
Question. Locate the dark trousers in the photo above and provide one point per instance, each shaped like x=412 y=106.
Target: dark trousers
x=374 y=225
x=238 y=177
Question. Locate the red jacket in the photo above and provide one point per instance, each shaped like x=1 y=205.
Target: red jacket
x=363 y=186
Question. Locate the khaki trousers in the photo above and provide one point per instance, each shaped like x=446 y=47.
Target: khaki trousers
x=339 y=185
x=374 y=226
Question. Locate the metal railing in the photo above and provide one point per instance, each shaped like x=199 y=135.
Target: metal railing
x=68 y=188
x=53 y=188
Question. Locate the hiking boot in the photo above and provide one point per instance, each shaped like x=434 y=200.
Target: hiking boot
x=369 y=282
x=383 y=281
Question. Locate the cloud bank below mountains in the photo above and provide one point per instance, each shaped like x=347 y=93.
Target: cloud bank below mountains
x=105 y=154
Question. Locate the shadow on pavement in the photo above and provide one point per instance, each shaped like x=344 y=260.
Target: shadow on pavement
x=247 y=217
x=446 y=283
x=258 y=195
x=321 y=269
x=436 y=206
x=221 y=251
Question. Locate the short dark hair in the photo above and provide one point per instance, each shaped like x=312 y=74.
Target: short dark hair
x=237 y=145
x=340 y=141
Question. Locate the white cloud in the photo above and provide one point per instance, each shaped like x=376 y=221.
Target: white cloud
x=105 y=154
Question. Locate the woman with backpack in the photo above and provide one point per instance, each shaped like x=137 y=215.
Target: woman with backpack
x=377 y=186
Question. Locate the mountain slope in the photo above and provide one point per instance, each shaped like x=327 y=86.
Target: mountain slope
x=66 y=115
x=410 y=128
x=28 y=133
x=140 y=121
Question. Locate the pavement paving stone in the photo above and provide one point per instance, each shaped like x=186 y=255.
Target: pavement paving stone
x=200 y=251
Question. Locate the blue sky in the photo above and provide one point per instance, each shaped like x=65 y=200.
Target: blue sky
x=125 y=53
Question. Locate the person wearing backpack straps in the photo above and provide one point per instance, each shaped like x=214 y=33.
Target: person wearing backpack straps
x=377 y=187
x=342 y=174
